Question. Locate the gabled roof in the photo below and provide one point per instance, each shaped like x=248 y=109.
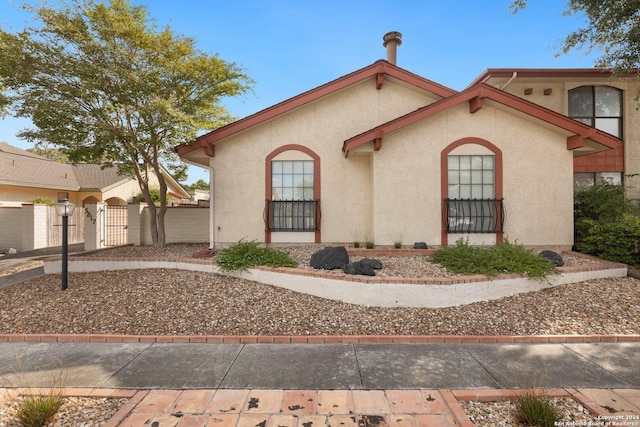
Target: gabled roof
x=25 y=169
x=19 y=167
x=476 y=96
x=378 y=70
x=22 y=168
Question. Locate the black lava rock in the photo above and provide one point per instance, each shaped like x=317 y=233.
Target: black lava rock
x=359 y=267
x=330 y=258
x=554 y=257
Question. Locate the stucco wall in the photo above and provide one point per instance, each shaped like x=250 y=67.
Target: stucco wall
x=15 y=195
x=394 y=194
x=557 y=101
x=239 y=164
x=182 y=225
x=537 y=177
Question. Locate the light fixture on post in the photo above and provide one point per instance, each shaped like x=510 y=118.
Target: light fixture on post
x=65 y=209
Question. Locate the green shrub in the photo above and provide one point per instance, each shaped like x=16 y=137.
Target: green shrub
x=617 y=241
x=244 y=254
x=603 y=203
x=492 y=260
x=155 y=196
x=369 y=245
x=535 y=410
x=37 y=411
x=43 y=201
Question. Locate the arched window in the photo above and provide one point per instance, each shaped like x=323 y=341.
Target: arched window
x=472 y=188
x=292 y=196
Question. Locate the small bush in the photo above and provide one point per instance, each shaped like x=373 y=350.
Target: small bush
x=244 y=254
x=603 y=203
x=535 y=410
x=492 y=260
x=155 y=196
x=616 y=241
x=37 y=411
x=356 y=244
x=397 y=245
x=43 y=201
x=370 y=245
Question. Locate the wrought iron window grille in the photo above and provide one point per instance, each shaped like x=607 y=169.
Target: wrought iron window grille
x=474 y=215
x=292 y=215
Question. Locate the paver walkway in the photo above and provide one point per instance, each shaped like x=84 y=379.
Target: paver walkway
x=312 y=408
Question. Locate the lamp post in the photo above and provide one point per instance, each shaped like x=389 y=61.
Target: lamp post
x=65 y=210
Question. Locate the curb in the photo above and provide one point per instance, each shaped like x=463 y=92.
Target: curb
x=321 y=339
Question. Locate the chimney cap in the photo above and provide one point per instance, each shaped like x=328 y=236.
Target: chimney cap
x=392 y=36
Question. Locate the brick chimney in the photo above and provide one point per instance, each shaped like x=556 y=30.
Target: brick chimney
x=392 y=40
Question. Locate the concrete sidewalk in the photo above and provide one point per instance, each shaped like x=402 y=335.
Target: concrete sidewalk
x=325 y=366
x=324 y=384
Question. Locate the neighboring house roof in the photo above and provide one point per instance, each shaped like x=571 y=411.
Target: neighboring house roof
x=578 y=133
x=22 y=168
x=93 y=176
x=379 y=69
x=30 y=170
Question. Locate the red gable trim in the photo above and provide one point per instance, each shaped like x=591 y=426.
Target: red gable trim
x=378 y=70
x=476 y=96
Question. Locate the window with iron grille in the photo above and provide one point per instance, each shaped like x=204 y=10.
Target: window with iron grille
x=471 y=206
x=292 y=206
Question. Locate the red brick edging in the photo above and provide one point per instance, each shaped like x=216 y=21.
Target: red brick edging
x=320 y=339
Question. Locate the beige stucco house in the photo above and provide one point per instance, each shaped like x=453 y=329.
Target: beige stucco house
x=25 y=176
x=385 y=155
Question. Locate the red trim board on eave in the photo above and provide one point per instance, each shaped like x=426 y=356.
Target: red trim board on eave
x=375 y=70
x=476 y=96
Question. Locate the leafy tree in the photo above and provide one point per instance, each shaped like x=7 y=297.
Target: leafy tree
x=200 y=184
x=178 y=171
x=612 y=26
x=54 y=154
x=105 y=84
x=155 y=196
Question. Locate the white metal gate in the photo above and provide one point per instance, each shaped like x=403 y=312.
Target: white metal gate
x=114 y=225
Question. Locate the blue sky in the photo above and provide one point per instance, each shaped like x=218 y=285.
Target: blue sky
x=291 y=46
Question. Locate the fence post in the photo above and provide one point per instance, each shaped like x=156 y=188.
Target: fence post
x=93 y=219
x=34 y=226
x=135 y=219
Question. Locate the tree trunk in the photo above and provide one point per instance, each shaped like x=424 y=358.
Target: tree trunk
x=160 y=213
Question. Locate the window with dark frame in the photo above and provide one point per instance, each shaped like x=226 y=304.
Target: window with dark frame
x=597 y=106
x=471 y=206
x=292 y=206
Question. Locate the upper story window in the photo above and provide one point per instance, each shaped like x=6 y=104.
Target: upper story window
x=597 y=106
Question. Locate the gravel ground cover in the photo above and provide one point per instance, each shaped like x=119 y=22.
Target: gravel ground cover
x=170 y=302
x=74 y=412
x=174 y=302
x=502 y=414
